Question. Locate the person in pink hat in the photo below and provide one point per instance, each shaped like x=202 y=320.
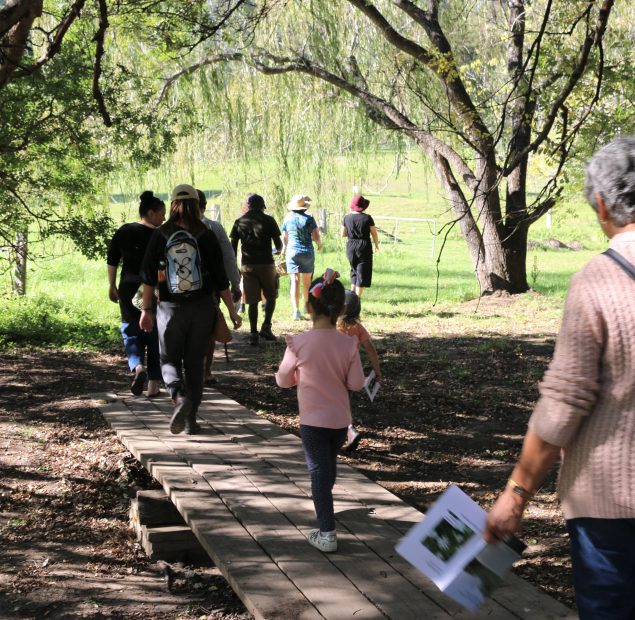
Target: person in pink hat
x=359 y=227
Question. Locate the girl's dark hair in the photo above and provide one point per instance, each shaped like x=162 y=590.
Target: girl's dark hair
x=330 y=301
x=149 y=202
x=353 y=307
x=187 y=211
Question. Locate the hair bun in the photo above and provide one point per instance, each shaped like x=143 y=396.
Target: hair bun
x=146 y=196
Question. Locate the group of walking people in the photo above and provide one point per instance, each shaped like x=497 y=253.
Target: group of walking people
x=585 y=416
x=174 y=274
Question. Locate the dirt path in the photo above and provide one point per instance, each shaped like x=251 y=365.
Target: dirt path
x=451 y=410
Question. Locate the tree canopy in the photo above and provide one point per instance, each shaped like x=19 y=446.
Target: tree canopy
x=480 y=88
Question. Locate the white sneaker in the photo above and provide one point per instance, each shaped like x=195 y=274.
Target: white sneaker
x=326 y=542
x=296 y=315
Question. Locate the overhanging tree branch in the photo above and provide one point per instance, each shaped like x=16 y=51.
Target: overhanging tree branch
x=209 y=60
x=15 y=35
x=56 y=44
x=99 y=53
x=594 y=37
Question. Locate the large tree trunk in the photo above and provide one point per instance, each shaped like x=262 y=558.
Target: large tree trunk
x=498 y=256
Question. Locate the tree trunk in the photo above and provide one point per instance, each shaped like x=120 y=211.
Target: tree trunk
x=19 y=259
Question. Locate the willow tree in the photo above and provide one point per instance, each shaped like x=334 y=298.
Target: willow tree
x=480 y=89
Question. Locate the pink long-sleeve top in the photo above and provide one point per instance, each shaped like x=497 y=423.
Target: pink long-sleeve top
x=324 y=364
x=587 y=397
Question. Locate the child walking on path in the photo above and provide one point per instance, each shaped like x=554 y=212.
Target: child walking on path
x=325 y=365
x=350 y=325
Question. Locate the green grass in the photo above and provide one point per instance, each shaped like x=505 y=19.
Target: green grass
x=67 y=302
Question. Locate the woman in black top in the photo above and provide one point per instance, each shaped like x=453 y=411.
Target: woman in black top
x=185 y=261
x=359 y=227
x=128 y=247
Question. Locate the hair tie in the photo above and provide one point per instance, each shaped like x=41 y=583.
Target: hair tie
x=328 y=278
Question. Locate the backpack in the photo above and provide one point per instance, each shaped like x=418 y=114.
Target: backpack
x=183 y=273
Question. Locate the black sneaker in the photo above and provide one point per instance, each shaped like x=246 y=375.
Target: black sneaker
x=254 y=339
x=265 y=332
x=138 y=382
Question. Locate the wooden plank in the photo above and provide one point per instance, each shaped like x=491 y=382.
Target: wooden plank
x=261 y=585
x=258 y=474
x=515 y=596
x=317 y=576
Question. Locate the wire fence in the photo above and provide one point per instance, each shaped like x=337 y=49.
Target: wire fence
x=407 y=233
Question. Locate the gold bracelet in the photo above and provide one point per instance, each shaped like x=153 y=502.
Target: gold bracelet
x=519 y=490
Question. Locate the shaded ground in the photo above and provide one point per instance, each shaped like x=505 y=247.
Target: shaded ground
x=451 y=410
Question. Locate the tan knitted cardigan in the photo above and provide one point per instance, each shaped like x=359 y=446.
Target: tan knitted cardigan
x=587 y=396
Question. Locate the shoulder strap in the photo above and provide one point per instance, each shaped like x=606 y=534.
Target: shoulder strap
x=621 y=261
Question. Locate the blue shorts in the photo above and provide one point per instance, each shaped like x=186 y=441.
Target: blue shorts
x=300 y=263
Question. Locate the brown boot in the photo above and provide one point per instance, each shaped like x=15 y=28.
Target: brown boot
x=182 y=412
x=192 y=427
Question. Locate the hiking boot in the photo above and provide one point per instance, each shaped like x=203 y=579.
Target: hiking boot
x=265 y=332
x=326 y=542
x=138 y=382
x=192 y=427
x=352 y=439
x=254 y=339
x=182 y=410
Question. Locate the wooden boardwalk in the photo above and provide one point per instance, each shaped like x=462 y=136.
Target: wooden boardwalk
x=243 y=488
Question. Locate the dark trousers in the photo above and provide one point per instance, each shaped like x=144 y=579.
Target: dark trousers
x=184 y=331
x=603 y=555
x=321 y=446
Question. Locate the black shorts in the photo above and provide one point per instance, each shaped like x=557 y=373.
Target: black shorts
x=360 y=255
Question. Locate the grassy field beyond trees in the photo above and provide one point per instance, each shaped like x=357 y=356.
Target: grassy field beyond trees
x=67 y=303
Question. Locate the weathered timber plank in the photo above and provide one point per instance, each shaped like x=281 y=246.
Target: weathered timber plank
x=261 y=585
x=240 y=442
x=317 y=578
x=516 y=596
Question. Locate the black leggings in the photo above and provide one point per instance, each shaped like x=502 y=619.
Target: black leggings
x=321 y=446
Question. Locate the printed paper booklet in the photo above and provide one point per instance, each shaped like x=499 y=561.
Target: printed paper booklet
x=448 y=547
x=371 y=385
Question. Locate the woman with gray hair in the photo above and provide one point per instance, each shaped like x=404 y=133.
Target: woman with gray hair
x=586 y=411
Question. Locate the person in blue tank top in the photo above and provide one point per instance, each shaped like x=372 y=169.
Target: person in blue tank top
x=299 y=231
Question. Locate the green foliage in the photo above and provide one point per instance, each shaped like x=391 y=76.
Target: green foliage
x=90 y=232
x=45 y=321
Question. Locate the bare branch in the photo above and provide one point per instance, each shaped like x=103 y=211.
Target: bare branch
x=55 y=46
x=99 y=53
x=209 y=60
x=594 y=37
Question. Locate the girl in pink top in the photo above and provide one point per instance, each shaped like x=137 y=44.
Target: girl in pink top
x=324 y=365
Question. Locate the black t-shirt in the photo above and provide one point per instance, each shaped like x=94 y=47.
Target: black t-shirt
x=256 y=231
x=358 y=225
x=213 y=270
x=128 y=246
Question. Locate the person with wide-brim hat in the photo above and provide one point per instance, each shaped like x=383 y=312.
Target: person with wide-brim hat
x=299 y=231
x=358 y=227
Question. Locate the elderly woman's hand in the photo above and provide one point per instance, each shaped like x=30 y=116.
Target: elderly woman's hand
x=505 y=517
